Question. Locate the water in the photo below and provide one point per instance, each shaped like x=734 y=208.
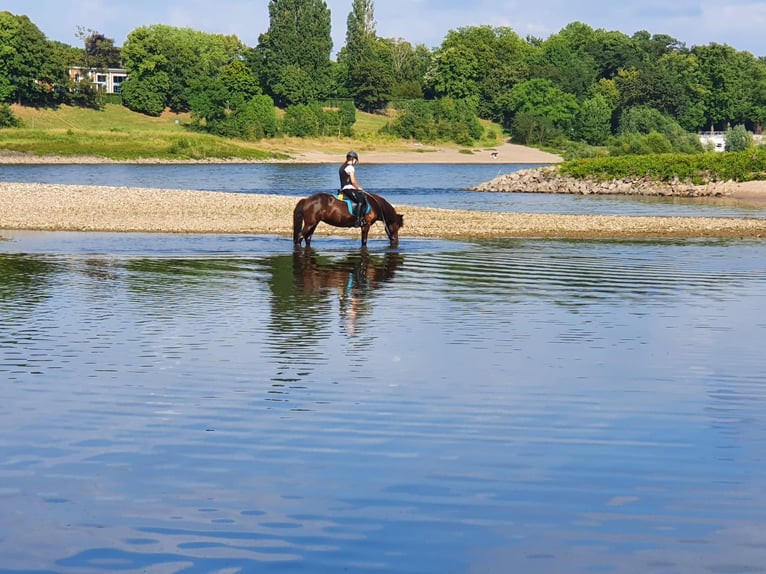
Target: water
x=221 y=403
x=440 y=185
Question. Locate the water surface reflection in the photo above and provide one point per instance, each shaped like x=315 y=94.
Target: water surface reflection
x=222 y=404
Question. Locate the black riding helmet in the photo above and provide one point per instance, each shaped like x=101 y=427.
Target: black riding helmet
x=352 y=155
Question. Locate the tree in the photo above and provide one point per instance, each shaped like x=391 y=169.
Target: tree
x=738 y=138
x=564 y=62
x=478 y=63
x=163 y=62
x=726 y=74
x=408 y=68
x=100 y=51
x=31 y=70
x=593 y=123
x=540 y=98
x=298 y=38
x=367 y=59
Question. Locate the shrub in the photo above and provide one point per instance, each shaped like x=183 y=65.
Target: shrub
x=697 y=168
x=738 y=138
x=446 y=119
x=7 y=118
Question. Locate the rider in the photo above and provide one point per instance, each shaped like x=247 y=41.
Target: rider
x=350 y=188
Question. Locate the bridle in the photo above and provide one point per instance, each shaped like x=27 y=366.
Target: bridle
x=382 y=214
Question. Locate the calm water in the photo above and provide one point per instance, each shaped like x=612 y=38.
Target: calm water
x=418 y=185
x=220 y=403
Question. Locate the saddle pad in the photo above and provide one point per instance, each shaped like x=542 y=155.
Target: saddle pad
x=350 y=204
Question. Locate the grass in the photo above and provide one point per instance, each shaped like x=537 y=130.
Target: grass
x=116 y=133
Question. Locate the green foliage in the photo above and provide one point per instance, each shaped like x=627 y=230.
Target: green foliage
x=100 y=51
x=696 y=168
x=301 y=120
x=8 y=118
x=370 y=79
x=295 y=86
x=579 y=150
x=644 y=120
x=238 y=78
x=30 y=65
x=163 y=62
x=436 y=120
x=257 y=119
x=347 y=113
x=738 y=138
x=530 y=129
x=593 y=122
x=479 y=63
x=645 y=130
x=145 y=94
x=312 y=120
x=540 y=98
x=298 y=37
x=578 y=83
x=564 y=62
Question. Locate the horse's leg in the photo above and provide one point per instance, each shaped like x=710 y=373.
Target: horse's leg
x=365 y=232
x=298 y=222
x=307 y=232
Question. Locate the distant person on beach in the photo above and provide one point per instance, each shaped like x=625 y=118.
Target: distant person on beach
x=351 y=188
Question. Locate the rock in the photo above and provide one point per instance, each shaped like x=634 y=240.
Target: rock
x=548 y=180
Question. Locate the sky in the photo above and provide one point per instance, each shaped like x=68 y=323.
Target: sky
x=738 y=23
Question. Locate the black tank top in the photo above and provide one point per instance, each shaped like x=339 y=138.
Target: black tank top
x=345 y=178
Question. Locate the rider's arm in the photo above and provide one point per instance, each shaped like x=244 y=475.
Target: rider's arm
x=354 y=182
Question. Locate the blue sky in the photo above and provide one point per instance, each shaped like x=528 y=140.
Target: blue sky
x=739 y=23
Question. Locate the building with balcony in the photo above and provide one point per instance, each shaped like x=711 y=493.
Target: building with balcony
x=108 y=79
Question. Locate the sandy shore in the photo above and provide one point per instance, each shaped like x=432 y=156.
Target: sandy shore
x=127 y=209
x=406 y=153
x=25 y=206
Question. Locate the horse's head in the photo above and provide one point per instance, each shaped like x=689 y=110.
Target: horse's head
x=392 y=221
x=393 y=227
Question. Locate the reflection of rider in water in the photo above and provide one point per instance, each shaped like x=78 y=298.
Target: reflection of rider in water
x=351 y=295
x=350 y=188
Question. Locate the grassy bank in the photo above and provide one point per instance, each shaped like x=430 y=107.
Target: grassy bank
x=116 y=133
x=748 y=165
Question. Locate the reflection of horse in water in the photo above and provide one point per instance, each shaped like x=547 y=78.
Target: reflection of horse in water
x=353 y=278
x=361 y=271
x=323 y=207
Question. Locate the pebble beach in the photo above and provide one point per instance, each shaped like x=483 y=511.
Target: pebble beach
x=30 y=206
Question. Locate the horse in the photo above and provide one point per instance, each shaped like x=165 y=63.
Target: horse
x=324 y=207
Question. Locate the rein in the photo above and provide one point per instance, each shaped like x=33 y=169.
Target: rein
x=382 y=214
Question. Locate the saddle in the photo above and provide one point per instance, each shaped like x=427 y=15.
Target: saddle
x=350 y=204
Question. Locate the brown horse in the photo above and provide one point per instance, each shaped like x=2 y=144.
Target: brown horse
x=323 y=207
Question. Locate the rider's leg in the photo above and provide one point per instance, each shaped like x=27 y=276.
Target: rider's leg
x=361 y=209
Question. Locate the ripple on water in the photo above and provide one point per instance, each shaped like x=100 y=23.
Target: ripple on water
x=499 y=406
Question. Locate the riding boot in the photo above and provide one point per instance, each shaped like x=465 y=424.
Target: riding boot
x=359 y=215
x=361 y=210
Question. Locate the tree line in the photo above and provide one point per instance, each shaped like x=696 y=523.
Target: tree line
x=590 y=87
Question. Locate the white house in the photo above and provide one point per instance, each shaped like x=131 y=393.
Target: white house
x=716 y=140
x=108 y=79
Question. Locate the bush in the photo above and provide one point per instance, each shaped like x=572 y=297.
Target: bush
x=528 y=128
x=738 y=138
x=257 y=118
x=446 y=119
x=745 y=165
x=301 y=120
x=7 y=118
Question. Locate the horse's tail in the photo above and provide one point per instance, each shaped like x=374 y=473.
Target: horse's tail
x=298 y=220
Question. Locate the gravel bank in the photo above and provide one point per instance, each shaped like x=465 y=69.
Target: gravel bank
x=127 y=209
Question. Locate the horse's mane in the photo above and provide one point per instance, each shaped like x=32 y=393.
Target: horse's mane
x=388 y=210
